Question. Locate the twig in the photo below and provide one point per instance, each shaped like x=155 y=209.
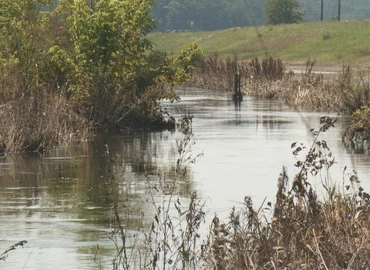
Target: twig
x=318 y=249
x=20 y=243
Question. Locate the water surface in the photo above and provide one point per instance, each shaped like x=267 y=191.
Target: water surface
x=60 y=202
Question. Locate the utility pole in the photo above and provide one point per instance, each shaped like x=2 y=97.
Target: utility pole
x=338 y=10
x=322 y=10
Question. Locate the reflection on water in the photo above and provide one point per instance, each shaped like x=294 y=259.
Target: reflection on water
x=59 y=202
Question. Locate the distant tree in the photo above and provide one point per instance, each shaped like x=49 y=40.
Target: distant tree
x=283 y=11
x=207 y=15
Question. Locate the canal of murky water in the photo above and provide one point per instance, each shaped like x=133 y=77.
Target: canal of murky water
x=60 y=203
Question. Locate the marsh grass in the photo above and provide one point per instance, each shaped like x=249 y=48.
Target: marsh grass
x=35 y=121
x=344 y=92
x=184 y=146
x=299 y=231
x=215 y=73
x=354 y=86
x=171 y=240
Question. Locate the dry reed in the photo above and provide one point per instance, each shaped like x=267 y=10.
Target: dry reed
x=171 y=240
x=304 y=232
x=268 y=79
x=37 y=121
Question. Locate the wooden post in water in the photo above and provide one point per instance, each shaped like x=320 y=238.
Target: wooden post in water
x=237 y=91
x=338 y=10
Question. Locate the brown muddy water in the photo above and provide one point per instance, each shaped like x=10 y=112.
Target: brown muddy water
x=60 y=204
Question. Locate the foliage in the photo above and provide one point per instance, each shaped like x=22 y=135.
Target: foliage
x=205 y=15
x=23 y=44
x=215 y=73
x=184 y=146
x=39 y=121
x=218 y=74
x=358 y=131
x=173 y=241
x=109 y=65
x=34 y=112
x=190 y=54
x=361 y=117
x=282 y=12
x=92 y=56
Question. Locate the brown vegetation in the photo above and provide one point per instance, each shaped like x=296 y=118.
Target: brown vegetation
x=346 y=92
x=37 y=121
x=304 y=232
x=171 y=240
x=298 y=230
x=268 y=78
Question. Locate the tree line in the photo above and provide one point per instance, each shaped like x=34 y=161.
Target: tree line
x=209 y=15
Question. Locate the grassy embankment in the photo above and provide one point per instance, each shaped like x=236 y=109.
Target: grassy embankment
x=330 y=43
x=336 y=46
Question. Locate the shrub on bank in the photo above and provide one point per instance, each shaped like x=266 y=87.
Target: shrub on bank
x=86 y=66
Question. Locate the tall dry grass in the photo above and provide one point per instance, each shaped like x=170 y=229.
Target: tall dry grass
x=171 y=239
x=35 y=121
x=303 y=232
x=298 y=230
x=354 y=87
x=218 y=74
x=268 y=79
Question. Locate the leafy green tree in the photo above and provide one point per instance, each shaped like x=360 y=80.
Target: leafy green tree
x=207 y=15
x=110 y=65
x=23 y=43
x=84 y=62
x=283 y=11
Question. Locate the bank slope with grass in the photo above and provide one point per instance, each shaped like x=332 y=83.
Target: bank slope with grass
x=330 y=43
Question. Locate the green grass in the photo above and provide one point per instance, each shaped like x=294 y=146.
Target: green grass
x=330 y=43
